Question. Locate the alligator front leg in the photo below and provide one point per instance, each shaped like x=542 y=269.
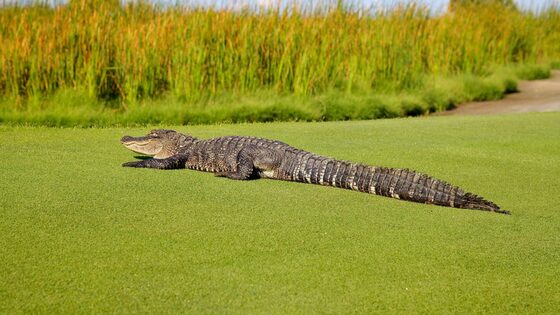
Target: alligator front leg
x=173 y=162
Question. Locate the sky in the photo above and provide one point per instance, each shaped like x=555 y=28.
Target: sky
x=435 y=5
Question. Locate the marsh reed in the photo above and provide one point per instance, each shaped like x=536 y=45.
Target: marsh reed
x=122 y=54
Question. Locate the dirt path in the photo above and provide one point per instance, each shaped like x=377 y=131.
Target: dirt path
x=533 y=96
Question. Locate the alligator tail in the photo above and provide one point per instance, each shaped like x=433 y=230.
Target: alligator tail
x=409 y=185
x=402 y=184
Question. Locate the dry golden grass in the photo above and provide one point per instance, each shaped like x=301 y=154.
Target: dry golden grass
x=127 y=54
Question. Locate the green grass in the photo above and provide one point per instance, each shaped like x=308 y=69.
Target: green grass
x=80 y=234
x=75 y=108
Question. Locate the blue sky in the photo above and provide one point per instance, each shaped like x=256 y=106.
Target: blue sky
x=436 y=5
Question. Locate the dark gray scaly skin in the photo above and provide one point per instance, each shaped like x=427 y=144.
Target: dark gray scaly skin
x=242 y=158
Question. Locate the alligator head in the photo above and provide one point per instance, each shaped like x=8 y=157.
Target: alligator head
x=159 y=143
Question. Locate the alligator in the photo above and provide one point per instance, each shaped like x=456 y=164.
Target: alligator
x=243 y=158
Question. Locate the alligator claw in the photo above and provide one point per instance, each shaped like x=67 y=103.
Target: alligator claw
x=133 y=164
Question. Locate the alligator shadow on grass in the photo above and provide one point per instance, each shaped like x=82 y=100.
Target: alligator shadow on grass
x=253 y=176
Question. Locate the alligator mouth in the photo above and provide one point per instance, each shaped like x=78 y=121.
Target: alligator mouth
x=142 y=145
x=137 y=140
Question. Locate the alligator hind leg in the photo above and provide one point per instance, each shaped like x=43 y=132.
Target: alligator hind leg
x=244 y=168
x=253 y=158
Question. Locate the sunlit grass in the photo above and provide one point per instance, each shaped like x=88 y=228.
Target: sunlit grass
x=81 y=234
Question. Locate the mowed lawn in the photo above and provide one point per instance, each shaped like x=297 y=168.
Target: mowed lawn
x=81 y=234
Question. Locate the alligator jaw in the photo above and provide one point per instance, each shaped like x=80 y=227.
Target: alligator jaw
x=128 y=139
x=142 y=145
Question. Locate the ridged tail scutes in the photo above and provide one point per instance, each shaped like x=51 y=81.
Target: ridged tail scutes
x=391 y=182
x=413 y=186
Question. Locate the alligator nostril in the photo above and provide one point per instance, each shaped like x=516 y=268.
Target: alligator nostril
x=126 y=138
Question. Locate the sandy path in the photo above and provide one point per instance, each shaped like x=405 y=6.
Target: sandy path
x=533 y=96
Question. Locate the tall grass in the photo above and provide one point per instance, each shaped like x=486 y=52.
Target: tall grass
x=124 y=55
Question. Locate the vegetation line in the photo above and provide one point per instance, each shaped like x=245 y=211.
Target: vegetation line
x=102 y=63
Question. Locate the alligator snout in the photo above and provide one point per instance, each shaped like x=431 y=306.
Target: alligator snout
x=127 y=139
